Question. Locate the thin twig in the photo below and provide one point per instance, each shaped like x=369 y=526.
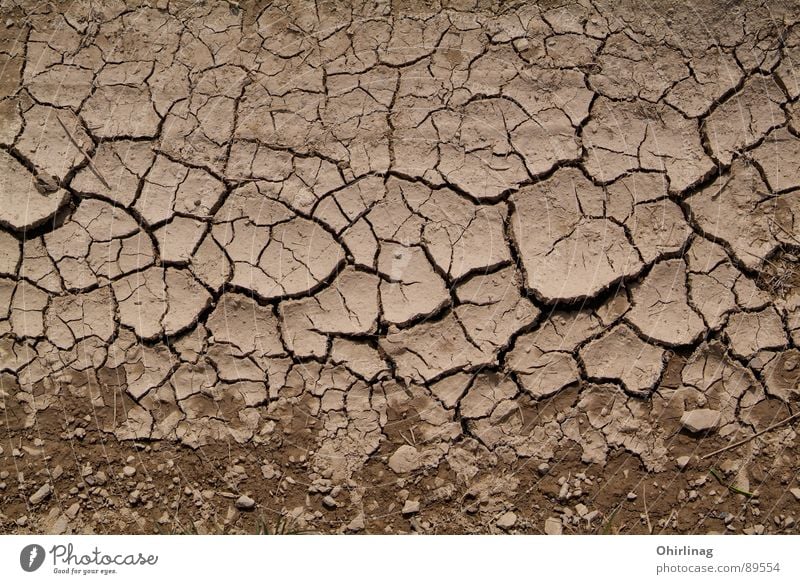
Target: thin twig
x=92 y=167
x=786 y=231
x=749 y=438
x=646 y=512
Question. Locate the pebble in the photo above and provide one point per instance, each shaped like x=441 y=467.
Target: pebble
x=552 y=526
x=43 y=493
x=589 y=517
x=507 y=520
x=357 y=524
x=129 y=471
x=72 y=512
x=410 y=507
x=543 y=468
x=581 y=509
x=683 y=461
x=796 y=492
x=59 y=526
x=330 y=502
x=245 y=503
x=631 y=496
x=701 y=420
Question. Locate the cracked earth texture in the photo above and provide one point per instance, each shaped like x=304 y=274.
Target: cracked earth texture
x=389 y=267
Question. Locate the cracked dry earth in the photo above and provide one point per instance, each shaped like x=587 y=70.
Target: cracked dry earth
x=385 y=267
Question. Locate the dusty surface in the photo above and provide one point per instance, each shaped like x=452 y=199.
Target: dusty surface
x=391 y=267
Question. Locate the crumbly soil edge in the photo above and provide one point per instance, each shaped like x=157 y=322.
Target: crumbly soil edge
x=391 y=267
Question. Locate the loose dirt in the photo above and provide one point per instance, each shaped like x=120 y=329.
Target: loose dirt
x=389 y=267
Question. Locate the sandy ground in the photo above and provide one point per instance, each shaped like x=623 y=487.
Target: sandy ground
x=394 y=267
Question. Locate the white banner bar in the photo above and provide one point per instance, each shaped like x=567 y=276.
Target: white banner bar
x=371 y=559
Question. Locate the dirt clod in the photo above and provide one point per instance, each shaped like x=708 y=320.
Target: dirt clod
x=387 y=267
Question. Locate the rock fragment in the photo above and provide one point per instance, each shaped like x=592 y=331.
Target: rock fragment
x=553 y=526
x=41 y=494
x=507 y=520
x=701 y=420
x=245 y=503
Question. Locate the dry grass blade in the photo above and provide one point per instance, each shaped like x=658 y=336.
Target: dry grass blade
x=729 y=486
x=749 y=438
x=92 y=167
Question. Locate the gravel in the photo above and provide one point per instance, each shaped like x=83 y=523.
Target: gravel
x=245 y=503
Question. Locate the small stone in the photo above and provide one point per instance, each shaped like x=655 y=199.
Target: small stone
x=507 y=520
x=43 y=493
x=410 y=507
x=245 y=503
x=683 y=461
x=129 y=471
x=330 y=502
x=552 y=526
x=404 y=460
x=543 y=468
x=701 y=420
x=57 y=472
x=73 y=510
x=631 y=496
x=581 y=509
x=357 y=524
x=796 y=492
x=21 y=521
x=589 y=517
x=80 y=433
x=789 y=522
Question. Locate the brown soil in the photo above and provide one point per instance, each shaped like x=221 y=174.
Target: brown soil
x=449 y=267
